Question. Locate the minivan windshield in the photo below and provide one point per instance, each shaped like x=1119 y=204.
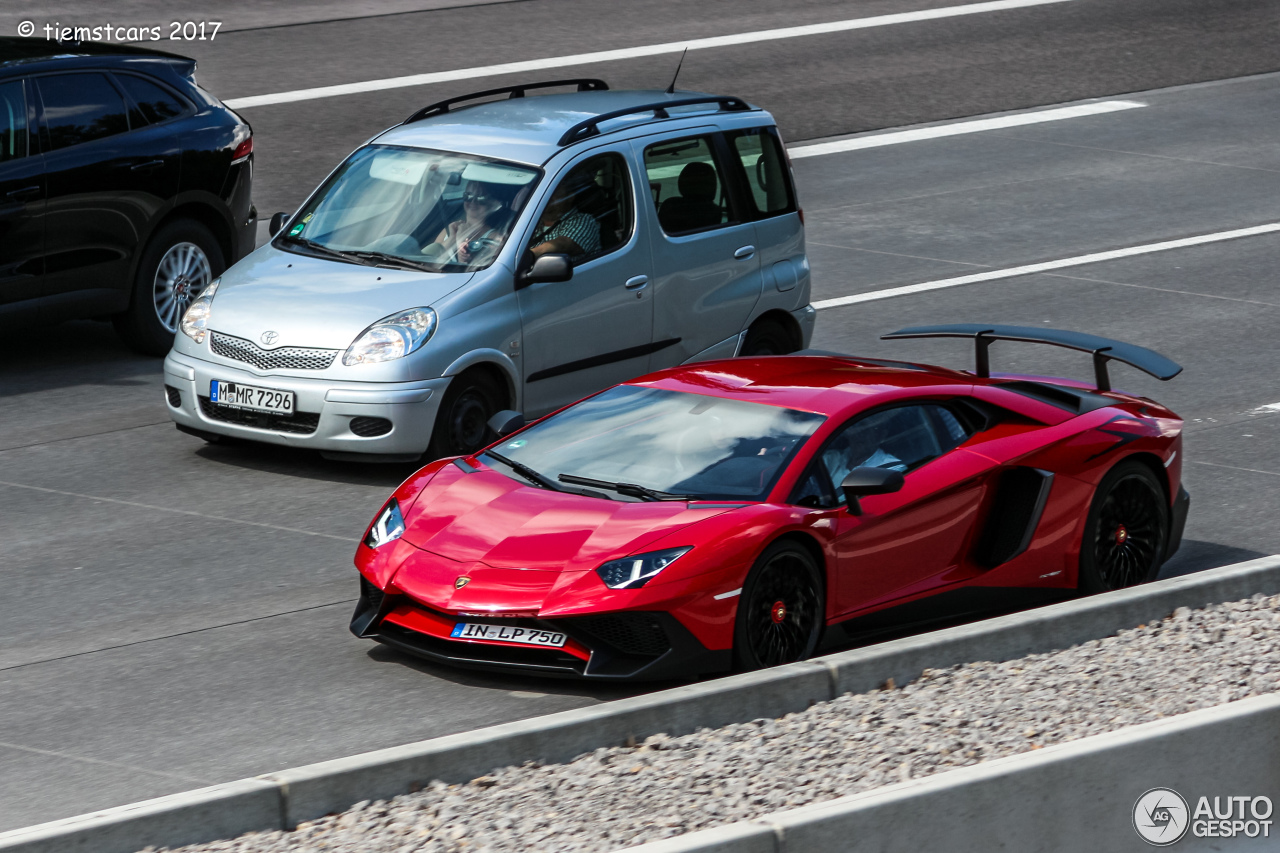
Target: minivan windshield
x=669 y=444
x=414 y=207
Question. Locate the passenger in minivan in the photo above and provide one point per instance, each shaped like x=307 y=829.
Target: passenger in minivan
x=479 y=233
x=566 y=227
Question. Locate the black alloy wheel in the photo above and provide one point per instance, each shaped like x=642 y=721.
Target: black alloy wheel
x=462 y=423
x=766 y=338
x=1126 y=531
x=781 y=612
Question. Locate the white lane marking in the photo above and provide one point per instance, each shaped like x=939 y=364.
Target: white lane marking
x=960 y=127
x=1029 y=269
x=631 y=52
x=725 y=595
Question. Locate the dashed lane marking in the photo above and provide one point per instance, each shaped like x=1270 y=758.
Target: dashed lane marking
x=960 y=127
x=632 y=52
x=1030 y=269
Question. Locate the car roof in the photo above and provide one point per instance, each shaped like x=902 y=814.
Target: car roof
x=528 y=129
x=829 y=385
x=27 y=52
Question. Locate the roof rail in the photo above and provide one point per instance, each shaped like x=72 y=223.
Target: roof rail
x=1103 y=349
x=590 y=127
x=584 y=84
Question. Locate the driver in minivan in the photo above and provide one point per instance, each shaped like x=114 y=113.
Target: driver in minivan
x=565 y=228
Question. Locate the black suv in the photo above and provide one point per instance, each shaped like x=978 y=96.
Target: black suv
x=124 y=187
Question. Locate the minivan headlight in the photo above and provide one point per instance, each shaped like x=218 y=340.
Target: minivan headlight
x=195 y=321
x=392 y=337
x=634 y=572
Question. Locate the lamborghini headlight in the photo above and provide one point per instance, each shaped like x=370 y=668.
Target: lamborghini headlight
x=392 y=337
x=635 y=572
x=195 y=322
x=388 y=527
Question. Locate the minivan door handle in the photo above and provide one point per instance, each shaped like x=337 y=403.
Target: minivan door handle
x=25 y=192
x=744 y=253
x=636 y=282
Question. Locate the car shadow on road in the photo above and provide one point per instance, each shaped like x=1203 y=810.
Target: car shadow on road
x=88 y=353
x=1196 y=556
x=306 y=464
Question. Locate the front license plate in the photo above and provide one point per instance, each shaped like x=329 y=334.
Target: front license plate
x=240 y=396
x=508 y=634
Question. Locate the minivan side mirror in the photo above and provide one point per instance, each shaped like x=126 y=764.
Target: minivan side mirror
x=869 y=481
x=548 y=267
x=278 y=221
x=506 y=422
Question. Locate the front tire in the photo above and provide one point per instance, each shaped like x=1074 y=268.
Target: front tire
x=462 y=423
x=1126 y=532
x=179 y=262
x=782 y=609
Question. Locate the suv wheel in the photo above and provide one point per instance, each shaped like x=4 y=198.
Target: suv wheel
x=766 y=338
x=462 y=423
x=180 y=261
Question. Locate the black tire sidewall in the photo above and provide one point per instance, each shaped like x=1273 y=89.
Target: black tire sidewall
x=442 y=439
x=140 y=326
x=770 y=334
x=744 y=658
x=1090 y=581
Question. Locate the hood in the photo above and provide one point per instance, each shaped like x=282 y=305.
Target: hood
x=517 y=543
x=315 y=302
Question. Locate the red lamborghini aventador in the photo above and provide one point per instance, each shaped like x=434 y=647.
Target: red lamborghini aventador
x=743 y=512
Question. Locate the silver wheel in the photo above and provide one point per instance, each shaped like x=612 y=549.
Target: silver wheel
x=182 y=274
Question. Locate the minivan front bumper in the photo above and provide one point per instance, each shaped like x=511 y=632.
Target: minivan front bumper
x=382 y=418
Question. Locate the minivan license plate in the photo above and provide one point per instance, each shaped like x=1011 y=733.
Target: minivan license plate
x=508 y=634
x=240 y=396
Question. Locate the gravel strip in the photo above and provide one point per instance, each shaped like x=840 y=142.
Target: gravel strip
x=618 y=797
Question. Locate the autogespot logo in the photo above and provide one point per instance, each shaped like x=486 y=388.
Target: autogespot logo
x=1160 y=816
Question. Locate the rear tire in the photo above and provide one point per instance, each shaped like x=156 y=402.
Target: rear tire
x=766 y=338
x=782 y=610
x=181 y=260
x=1126 y=532
x=462 y=423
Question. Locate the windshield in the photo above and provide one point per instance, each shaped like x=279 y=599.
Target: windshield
x=666 y=441
x=433 y=210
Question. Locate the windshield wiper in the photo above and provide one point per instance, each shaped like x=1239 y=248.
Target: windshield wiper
x=631 y=490
x=525 y=471
x=395 y=260
x=325 y=250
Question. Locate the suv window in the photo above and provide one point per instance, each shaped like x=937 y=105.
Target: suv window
x=156 y=104
x=687 y=184
x=589 y=214
x=80 y=108
x=765 y=164
x=901 y=438
x=13 y=121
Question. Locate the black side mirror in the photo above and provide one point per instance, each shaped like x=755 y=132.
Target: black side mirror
x=506 y=422
x=547 y=267
x=869 y=481
x=278 y=221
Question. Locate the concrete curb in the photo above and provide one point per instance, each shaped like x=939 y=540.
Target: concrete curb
x=1075 y=797
x=282 y=800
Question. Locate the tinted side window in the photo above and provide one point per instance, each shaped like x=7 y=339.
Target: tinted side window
x=154 y=102
x=13 y=121
x=760 y=152
x=687 y=185
x=81 y=108
x=589 y=213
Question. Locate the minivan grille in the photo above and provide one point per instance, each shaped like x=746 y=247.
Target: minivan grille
x=285 y=358
x=301 y=423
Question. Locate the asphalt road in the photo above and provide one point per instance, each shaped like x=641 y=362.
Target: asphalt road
x=175 y=613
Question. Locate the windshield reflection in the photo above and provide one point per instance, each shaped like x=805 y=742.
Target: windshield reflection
x=432 y=210
x=667 y=441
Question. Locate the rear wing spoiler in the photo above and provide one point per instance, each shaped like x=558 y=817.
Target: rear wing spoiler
x=1102 y=349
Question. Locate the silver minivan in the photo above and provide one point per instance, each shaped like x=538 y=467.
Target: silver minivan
x=513 y=254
